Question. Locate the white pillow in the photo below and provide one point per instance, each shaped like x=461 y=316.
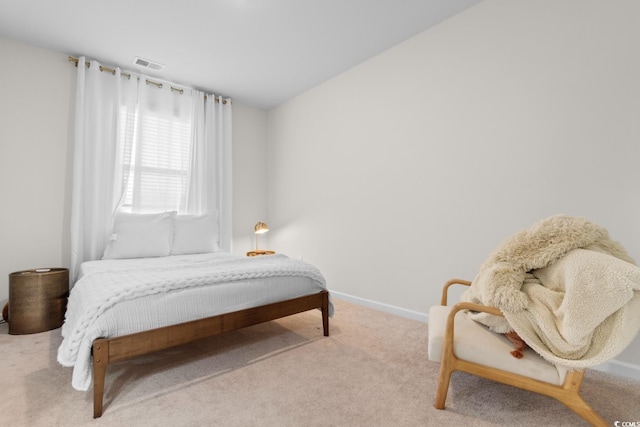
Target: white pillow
x=195 y=234
x=140 y=236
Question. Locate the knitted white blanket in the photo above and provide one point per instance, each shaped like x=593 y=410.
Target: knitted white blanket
x=144 y=283
x=568 y=290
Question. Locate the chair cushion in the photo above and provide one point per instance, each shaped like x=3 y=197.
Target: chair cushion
x=474 y=342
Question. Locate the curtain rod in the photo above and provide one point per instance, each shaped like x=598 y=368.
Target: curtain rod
x=127 y=75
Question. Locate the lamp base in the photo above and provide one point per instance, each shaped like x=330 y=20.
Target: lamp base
x=260 y=252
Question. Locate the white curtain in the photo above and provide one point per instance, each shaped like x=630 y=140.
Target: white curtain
x=98 y=98
x=116 y=118
x=209 y=181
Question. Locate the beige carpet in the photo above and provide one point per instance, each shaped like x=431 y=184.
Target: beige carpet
x=371 y=371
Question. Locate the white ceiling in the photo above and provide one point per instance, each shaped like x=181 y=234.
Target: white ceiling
x=259 y=52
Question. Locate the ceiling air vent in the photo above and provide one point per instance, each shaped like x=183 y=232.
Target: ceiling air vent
x=145 y=63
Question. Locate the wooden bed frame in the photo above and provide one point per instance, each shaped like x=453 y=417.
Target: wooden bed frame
x=107 y=350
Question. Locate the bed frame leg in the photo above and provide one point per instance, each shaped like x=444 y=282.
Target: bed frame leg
x=100 y=362
x=325 y=313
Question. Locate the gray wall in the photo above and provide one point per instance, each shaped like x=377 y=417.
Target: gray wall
x=410 y=168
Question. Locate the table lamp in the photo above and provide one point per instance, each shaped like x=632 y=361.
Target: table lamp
x=260 y=228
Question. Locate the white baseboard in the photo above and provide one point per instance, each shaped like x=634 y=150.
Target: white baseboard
x=622 y=369
x=615 y=367
x=402 y=312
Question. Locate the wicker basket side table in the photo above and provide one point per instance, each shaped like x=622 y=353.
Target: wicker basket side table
x=37 y=300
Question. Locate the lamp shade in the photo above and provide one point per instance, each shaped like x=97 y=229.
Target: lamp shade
x=261 y=228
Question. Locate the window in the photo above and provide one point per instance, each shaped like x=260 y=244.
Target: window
x=155 y=160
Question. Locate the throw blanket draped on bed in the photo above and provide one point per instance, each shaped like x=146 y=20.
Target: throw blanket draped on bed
x=568 y=290
x=102 y=290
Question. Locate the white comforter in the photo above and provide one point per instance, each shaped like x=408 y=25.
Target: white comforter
x=119 y=297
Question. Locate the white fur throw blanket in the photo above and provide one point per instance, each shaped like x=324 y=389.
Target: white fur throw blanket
x=568 y=290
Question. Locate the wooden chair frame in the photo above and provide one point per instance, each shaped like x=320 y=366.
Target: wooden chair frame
x=567 y=393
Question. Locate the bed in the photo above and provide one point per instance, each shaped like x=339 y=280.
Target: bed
x=123 y=308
